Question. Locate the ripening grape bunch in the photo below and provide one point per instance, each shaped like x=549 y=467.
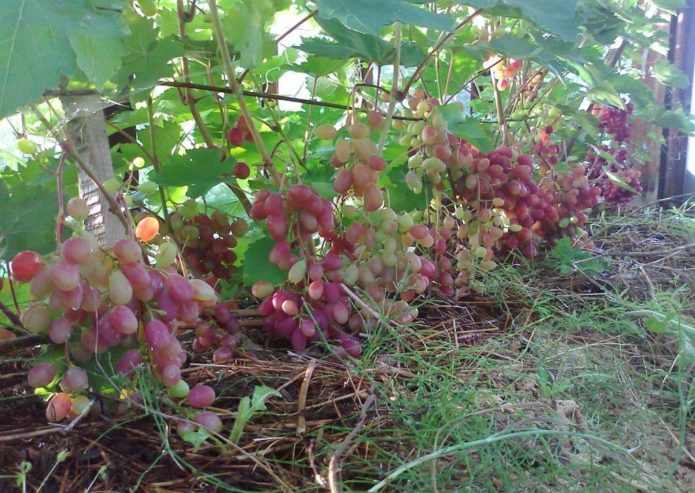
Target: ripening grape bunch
x=614 y=121
x=502 y=71
x=611 y=169
x=358 y=160
x=93 y=302
x=370 y=257
x=546 y=150
x=208 y=241
x=505 y=202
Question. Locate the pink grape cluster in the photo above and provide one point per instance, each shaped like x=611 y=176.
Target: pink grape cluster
x=620 y=169
x=614 y=121
x=239 y=133
x=611 y=169
x=501 y=203
x=369 y=256
x=546 y=150
x=360 y=165
x=218 y=327
x=92 y=301
x=309 y=312
x=298 y=215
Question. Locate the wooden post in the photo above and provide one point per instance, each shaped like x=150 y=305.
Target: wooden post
x=86 y=128
x=682 y=54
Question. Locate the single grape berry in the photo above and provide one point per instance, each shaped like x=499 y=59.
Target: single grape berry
x=147 y=229
x=235 y=137
x=209 y=420
x=41 y=375
x=77 y=208
x=241 y=170
x=58 y=407
x=201 y=396
x=25 y=265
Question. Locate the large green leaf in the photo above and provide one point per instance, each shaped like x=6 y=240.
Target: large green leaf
x=369 y=16
x=29 y=28
x=166 y=137
x=147 y=57
x=670 y=75
x=670 y=5
x=44 y=40
x=257 y=267
x=319 y=66
x=555 y=16
x=468 y=128
x=244 y=27
x=350 y=43
x=199 y=169
x=675 y=119
x=27 y=221
x=98 y=44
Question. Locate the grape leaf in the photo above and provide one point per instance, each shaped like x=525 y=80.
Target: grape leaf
x=29 y=222
x=468 y=128
x=670 y=75
x=244 y=26
x=368 y=16
x=401 y=197
x=670 y=5
x=199 y=169
x=166 y=137
x=319 y=66
x=555 y=16
x=77 y=33
x=27 y=28
x=351 y=43
x=98 y=45
x=675 y=119
x=256 y=266
x=146 y=57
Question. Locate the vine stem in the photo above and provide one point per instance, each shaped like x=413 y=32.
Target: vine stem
x=435 y=49
x=11 y=316
x=500 y=112
x=394 y=89
x=12 y=290
x=188 y=96
x=278 y=97
x=236 y=89
x=60 y=221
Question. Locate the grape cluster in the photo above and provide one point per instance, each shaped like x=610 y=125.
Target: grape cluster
x=614 y=121
x=546 y=150
x=92 y=301
x=501 y=204
x=207 y=241
x=218 y=327
x=371 y=256
x=609 y=166
x=503 y=70
x=361 y=177
x=617 y=179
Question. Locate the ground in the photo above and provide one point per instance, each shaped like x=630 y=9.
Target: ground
x=563 y=374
